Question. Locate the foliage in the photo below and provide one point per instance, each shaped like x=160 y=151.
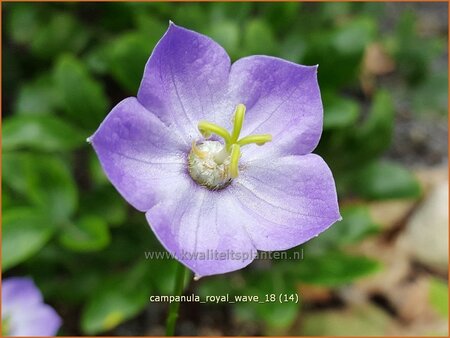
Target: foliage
x=69 y=63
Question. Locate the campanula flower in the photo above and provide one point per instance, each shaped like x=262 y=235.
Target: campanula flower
x=219 y=155
x=23 y=311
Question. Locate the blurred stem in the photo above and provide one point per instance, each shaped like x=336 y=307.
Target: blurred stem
x=174 y=306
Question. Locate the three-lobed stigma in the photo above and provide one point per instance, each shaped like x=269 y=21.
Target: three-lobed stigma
x=213 y=164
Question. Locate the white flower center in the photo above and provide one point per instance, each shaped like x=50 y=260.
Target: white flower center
x=208 y=166
x=213 y=164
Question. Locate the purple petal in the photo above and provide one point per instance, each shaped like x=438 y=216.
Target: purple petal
x=282 y=99
x=185 y=81
x=285 y=202
x=18 y=292
x=199 y=228
x=24 y=310
x=139 y=154
x=38 y=320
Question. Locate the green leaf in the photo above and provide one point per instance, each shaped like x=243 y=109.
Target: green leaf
x=37 y=97
x=335 y=10
x=281 y=15
x=276 y=316
x=353 y=146
x=61 y=33
x=354 y=36
x=96 y=59
x=82 y=287
x=44 y=180
x=431 y=97
x=238 y=11
x=163 y=281
x=191 y=15
x=339 y=51
x=16 y=171
x=356 y=225
x=116 y=16
x=127 y=57
x=151 y=27
x=7 y=199
x=332 y=269
x=293 y=48
x=40 y=132
x=89 y=233
x=97 y=174
x=376 y=132
x=106 y=203
x=258 y=38
x=414 y=53
x=438 y=296
x=23 y=22
x=84 y=99
x=339 y=111
x=384 y=180
x=226 y=33
x=24 y=232
x=279 y=316
x=119 y=298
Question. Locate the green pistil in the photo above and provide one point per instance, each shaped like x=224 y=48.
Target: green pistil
x=233 y=145
x=234 y=161
x=258 y=139
x=207 y=129
x=238 y=121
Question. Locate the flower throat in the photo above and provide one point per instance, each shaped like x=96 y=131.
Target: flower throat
x=213 y=164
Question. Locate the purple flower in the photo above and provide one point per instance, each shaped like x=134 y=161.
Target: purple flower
x=24 y=312
x=219 y=155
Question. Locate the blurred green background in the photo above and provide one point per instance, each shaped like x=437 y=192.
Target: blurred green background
x=383 y=75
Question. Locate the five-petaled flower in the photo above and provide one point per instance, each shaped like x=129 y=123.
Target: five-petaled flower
x=219 y=155
x=23 y=311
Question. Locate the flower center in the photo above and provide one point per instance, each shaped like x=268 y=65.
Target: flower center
x=213 y=164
